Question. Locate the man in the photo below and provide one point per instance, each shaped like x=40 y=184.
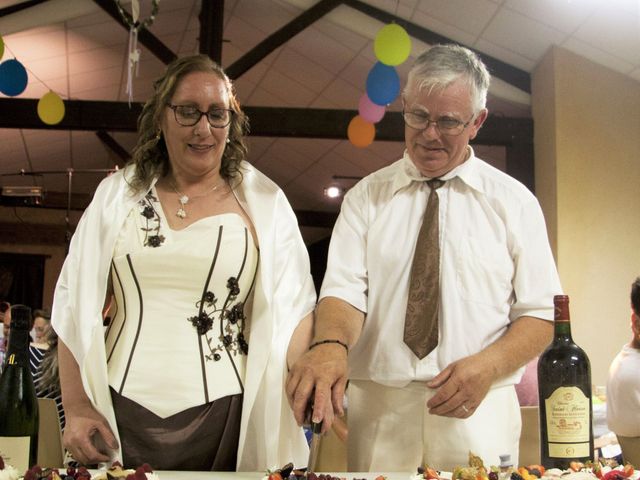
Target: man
x=623 y=388
x=492 y=299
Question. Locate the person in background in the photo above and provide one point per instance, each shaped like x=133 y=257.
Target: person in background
x=484 y=239
x=623 y=387
x=527 y=388
x=41 y=325
x=212 y=291
x=46 y=376
x=39 y=346
x=5 y=317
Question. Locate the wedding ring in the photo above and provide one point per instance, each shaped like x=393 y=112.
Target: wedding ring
x=466 y=410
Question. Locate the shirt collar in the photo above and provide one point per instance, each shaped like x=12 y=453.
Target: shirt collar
x=466 y=172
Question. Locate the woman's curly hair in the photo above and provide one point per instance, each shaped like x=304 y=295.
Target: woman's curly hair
x=150 y=155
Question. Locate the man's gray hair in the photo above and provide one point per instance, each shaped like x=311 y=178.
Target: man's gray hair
x=442 y=65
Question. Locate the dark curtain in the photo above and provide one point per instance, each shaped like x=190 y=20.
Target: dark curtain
x=22 y=279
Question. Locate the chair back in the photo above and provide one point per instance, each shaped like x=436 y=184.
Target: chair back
x=50 y=450
x=529 y=437
x=630 y=449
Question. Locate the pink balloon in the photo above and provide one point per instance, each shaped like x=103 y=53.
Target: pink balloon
x=369 y=111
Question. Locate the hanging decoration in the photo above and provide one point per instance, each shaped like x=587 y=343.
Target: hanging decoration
x=392 y=47
x=360 y=132
x=13 y=77
x=383 y=84
x=51 y=108
x=369 y=111
x=1 y=47
x=135 y=25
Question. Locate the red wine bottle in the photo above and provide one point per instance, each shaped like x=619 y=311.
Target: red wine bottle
x=18 y=402
x=564 y=386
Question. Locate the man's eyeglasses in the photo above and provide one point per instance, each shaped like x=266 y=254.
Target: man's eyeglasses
x=445 y=125
x=188 y=116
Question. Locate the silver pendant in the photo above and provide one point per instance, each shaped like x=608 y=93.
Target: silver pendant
x=182 y=213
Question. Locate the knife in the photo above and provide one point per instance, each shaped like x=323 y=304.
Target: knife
x=314 y=447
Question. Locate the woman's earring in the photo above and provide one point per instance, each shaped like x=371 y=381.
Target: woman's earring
x=158 y=135
x=228 y=140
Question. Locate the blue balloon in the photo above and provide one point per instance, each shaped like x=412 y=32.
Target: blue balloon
x=13 y=78
x=383 y=84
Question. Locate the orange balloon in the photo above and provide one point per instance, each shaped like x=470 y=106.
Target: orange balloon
x=360 y=132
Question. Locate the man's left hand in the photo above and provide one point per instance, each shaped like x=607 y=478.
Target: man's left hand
x=461 y=387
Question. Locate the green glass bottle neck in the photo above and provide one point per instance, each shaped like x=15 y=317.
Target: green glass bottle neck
x=562 y=330
x=18 y=348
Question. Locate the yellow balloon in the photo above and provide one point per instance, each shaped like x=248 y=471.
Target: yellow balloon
x=51 y=108
x=1 y=48
x=360 y=132
x=392 y=45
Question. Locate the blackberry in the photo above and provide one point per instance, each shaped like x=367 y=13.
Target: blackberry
x=516 y=476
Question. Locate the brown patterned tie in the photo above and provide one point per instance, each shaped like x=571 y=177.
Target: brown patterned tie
x=421 y=322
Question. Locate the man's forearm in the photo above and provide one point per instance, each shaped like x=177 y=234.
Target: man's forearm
x=526 y=338
x=337 y=320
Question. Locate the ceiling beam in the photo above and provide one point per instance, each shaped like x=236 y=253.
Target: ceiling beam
x=145 y=37
x=211 y=29
x=123 y=155
x=265 y=121
x=19 y=6
x=510 y=74
x=280 y=37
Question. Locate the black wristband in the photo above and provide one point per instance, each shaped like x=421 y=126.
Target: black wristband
x=315 y=344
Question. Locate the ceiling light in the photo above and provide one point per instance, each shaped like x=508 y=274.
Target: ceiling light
x=333 y=192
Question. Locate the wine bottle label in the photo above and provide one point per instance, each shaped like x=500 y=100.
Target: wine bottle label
x=568 y=423
x=15 y=451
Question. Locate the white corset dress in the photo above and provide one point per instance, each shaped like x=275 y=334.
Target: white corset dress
x=179 y=336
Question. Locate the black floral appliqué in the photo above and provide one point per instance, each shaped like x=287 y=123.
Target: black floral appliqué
x=230 y=337
x=152 y=237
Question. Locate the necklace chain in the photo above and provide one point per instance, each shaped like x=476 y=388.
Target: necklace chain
x=184 y=199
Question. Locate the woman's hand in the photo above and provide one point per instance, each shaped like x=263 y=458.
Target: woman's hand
x=87 y=436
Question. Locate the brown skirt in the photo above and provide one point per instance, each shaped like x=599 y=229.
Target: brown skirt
x=203 y=438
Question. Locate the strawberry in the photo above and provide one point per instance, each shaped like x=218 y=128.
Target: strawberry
x=596 y=468
x=576 y=466
x=627 y=471
x=275 y=476
x=147 y=468
x=1 y=463
x=430 y=473
x=613 y=475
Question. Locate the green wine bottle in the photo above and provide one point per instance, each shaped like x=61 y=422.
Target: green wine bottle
x=564 y=387
x=18 y=402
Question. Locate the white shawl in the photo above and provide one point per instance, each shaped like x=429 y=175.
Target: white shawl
x=269 y=435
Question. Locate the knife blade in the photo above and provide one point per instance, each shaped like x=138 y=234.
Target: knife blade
x=314 y=447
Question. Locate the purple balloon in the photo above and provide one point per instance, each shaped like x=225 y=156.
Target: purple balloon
x=13 y=78
x=383 y=84
x=368 y=110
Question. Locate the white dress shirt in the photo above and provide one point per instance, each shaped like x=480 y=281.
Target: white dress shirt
x=623 y=393
x=495 y=265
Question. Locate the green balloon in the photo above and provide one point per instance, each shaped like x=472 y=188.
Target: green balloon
x=1 y=48
x=392 y=45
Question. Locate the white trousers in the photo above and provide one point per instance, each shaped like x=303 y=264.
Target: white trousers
x=391 y=430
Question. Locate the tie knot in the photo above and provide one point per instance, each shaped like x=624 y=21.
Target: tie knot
x=435 y=183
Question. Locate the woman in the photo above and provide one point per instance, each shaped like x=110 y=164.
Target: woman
x=210 y=280
x=39 y=346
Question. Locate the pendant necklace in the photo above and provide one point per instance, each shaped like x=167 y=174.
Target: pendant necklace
x=184 y=199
